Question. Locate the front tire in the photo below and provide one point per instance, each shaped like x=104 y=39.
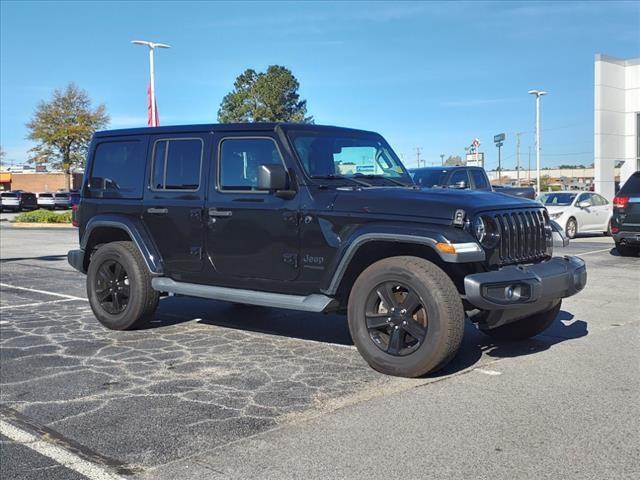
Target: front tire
x=527 y=327
x=571 y=230
x=119 y=287
x=405 y=316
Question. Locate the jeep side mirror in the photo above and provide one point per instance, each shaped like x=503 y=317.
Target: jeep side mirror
x=584 y=204
x=272 y=177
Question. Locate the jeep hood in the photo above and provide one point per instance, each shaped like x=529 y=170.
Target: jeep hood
x=438 y=203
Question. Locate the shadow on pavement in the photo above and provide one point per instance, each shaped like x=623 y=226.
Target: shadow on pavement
x=332 y=328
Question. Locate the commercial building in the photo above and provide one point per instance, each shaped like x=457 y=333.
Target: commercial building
x=616 y=121
x=38 y=182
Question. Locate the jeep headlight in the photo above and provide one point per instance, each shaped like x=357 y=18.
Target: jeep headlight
x=486 y=231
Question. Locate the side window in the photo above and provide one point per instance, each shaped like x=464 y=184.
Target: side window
x=177 y=164
x=584 y=196
x=459 y=176
x=118 y=169
x=479 y=178
x=239 y=159
x=599 y=199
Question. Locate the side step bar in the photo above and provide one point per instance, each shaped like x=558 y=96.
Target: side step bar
x=311 y=303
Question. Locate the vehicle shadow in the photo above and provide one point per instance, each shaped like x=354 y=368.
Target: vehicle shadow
x=476 y=345
x=332 y=329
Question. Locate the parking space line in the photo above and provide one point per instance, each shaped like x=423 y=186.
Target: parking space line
x=44 y=292
x=37 y=304
x=57 y=453
x=594 y=251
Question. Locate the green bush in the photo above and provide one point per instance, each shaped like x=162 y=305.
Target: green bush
x=43 y=216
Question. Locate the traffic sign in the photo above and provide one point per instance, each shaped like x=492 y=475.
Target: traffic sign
x=499 y=138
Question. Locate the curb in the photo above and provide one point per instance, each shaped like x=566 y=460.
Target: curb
x=40 y=225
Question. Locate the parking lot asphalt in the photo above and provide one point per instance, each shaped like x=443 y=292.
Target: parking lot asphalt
x=212 y=390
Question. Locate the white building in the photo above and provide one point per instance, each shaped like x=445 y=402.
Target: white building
x=616 y=121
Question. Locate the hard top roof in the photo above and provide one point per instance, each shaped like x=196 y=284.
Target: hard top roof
x=227 y=127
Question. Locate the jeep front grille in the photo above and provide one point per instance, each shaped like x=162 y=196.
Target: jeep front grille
x=522 y=235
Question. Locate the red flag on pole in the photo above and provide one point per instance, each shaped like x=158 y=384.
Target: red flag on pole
x=150 y=119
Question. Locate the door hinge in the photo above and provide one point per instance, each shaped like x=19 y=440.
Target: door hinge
x=290 y=259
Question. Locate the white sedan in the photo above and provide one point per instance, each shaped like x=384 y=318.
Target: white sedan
x=578 y=212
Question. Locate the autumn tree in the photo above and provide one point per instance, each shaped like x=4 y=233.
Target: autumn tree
x=271 y=96
x=63 y=127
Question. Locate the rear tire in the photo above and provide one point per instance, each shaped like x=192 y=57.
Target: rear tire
x=422 y=329
x=119 y=287
x=525 y=328
x=571 y=229
x=626 y=250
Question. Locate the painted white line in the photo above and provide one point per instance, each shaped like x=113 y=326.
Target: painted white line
x=7 y=307
x=57 y=453
x=61 y=295
x=595 y=251
x=488 y=372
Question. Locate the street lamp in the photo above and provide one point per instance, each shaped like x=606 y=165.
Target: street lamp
x=538 y=94
x=152 y=82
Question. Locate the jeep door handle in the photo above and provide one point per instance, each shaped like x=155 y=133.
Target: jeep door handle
x=157 y=211
x=214 y=212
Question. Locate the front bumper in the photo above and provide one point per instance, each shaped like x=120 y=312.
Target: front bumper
x=518 y=291
x=76 y=259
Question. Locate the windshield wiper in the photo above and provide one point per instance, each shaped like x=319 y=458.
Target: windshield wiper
x=342 y=177
x=392 y=180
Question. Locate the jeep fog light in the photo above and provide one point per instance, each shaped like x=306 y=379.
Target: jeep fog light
x=511 y=293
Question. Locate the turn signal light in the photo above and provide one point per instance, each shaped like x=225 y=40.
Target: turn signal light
x=620 y=202
x=445 y=247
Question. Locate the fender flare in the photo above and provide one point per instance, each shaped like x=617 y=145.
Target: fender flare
x=136 y=231
x=471 y=251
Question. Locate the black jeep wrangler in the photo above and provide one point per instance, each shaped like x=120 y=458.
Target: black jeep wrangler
x=313 y=218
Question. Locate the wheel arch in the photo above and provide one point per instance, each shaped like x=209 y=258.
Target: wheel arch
x=113 y=228
x=374 y=248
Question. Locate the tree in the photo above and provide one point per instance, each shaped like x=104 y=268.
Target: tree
x=63 y=127
x=264 y=97
x=453 y=161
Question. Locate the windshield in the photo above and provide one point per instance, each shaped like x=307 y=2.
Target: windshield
x=557 y=198
x=430 y=178
x=328 y=155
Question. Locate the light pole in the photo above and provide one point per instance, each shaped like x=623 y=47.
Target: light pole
x=538 y=94
x=152 y=80
x=442 y=159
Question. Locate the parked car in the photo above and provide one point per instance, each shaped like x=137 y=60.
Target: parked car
x=18 y=200
x=62 y=200
x=625 y=224
x=268 y=214
x=46 y=200
x=578 y=212
x=464 y=178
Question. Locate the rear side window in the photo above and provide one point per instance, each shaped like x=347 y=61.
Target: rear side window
x=118 y=169
x=46 y=195
x=631 y=186
x=177 y=164
x=479 y=178
x=9 y=195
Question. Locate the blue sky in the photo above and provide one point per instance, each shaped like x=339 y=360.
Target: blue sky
x=433 y=75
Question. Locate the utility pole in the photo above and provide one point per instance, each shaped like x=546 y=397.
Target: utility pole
x=518 y=156
x=418 y=152
x=442 y=159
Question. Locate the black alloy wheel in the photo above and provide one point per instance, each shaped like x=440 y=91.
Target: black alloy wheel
x=112 y=287
x=396 y=318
